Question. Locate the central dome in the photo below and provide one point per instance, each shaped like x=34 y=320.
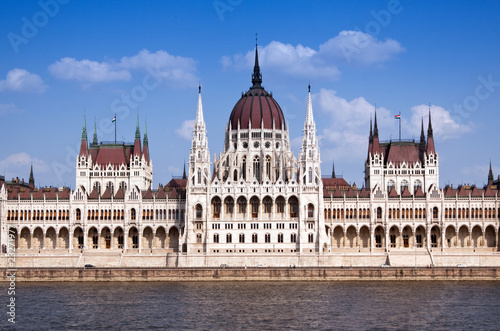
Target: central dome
x=257 y=109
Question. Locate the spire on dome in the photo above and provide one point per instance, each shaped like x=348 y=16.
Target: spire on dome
x=32 y=178
x=256 y=76
x=429 y=129
x=430 y=139
x=309 y=115
x=422 y=134
x=145 y=139
x=184 y=171
x=84 y=131
x=94 y=141
x=375 y=128
x=490 y=175
x=371 y=132
x=137 y=130
x=333 y=169
x=199 y=112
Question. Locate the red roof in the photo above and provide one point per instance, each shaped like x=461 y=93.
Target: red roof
x=260 y=108
x=334 y=182
x=177 y=183
x=406 y=193
x=119 y=194
x=111 y=155
x=148 y=194
x=106 y=194
x=393 y=193
x=94 y=194
x=419 y=192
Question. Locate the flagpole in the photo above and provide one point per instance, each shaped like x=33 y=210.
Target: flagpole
x=115 y=128
x=399 y=126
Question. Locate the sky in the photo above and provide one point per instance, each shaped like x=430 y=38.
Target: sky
x=62 y=60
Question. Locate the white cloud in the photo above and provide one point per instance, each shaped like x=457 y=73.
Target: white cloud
x=357 y=47
x=186 y=129
x=21 y=80
x=161 y=65
x=444 y=127
x=10 y=108
x=348 y=47
x=87 y=71
x=17 y=165
x=178 y=69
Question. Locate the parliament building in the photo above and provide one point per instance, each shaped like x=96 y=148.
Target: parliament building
x=255 y=204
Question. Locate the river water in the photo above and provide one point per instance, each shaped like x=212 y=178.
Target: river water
x=401 y=305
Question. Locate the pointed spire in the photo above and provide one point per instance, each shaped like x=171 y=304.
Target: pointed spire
x=490 y=175
x=137 y=130
x=422 y=134
x=199 y=112
x=145 y=139
x=184 y=172
x=333 y=169
x=429 y=129
x=256 y=76
x=84 y=131
x=94 y=141
x=309 y=115
x=32 y=178
x=375 y=128
x=371 y=132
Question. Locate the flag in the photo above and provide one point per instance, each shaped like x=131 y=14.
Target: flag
x=397 y=117
x=113 y=120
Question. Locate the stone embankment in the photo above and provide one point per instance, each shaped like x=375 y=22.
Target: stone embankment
x=252 y=274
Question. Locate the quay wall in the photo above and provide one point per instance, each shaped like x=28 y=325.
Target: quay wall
x=251 y=274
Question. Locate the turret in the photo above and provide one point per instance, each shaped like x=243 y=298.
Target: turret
x=32 y=178
x=430 y=138
x=145 y=149
x=84 y=144
x=137 y=141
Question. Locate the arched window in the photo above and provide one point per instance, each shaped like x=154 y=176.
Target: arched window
x=254 y=238
x=268 y=203
x=310 y=175
x=311 y=237
x=97 y=186
x=390 y=185
x=229 y=238
x=293 y=202
x=132 y=214
x=78 y=214
x=379 y=213
x=416 y=185
x=216 y=238
x=198 y=238
x=199 y=211
x=254 y=202
x=280 y=237
x=256 y=168
x=216 y=207
x=110 y=187
x=123 y=186
x=293 y=237
x=267 y=238
x=199 y=176
x=242 y=205
x=235 y=175
x=244 y=168
x=435 y=212
x=229 y=206
x=242 y=238
x=310 y=210
x=268 y=167
x=404 y=184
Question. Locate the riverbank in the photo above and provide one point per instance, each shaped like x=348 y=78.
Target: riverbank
x=251 y=274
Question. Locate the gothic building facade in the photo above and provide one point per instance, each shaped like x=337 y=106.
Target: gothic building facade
x=255 y=201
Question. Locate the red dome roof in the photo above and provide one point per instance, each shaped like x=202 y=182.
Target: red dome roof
x=260 y=108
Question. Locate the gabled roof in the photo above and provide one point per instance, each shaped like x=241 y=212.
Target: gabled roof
x=173 y=194
x=463 y=191
x=26 y=195
x=476 y=192
x=147 y=194
x=94 y=194
x=176 y=183
x=106 y=194
x=64 y=194
x=38 y=195
x=364 y=193
x=393 y=193
x=488 y=192
x=419 y=193
x=119 y=194
x=160 y=194
x=406 y=193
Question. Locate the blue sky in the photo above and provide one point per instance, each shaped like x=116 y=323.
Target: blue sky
x=62 y=57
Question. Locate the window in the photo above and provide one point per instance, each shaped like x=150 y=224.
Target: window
x=310 y=210
x=390 y=186
x=216 y=238
x=280 y=237
x=310 y=237
x=267 y=238
x=379 y=213
x=132 y=214
x=310 y=175
x=229 y=238
x=267 y=205
x=293 y=237
x=256 y=168
x=78 y=214
x=435 y=212
x=216 y=207
x=199 y=211
x=268 y=166
x=254 y=238
x=198 y=238
x=293 y=206
x=254 y=202
x=242 y=238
